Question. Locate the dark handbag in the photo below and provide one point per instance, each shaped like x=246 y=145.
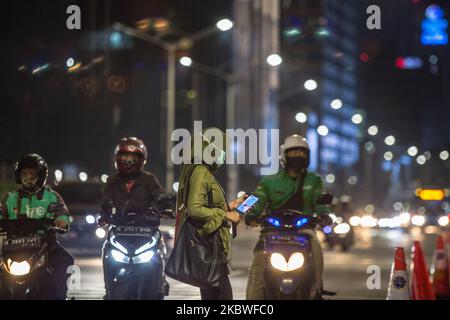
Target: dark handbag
x=195 y=259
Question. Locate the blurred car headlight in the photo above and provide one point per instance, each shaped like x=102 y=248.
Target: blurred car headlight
x=405 y=217
x=443 y=221
x=90 y=219
x=383 y=222
x=100 y=233
x=418 y=220
x=369 y=221
x=342 y=228
x=355 y=221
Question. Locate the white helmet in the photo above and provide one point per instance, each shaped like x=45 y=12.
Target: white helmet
x=291 y=142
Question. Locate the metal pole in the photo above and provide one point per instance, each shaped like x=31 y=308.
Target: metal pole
x=170 y=114
x=232 y=170
x=368 y=180
x=196 y=103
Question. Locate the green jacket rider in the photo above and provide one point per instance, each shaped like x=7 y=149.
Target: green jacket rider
x=293 y=187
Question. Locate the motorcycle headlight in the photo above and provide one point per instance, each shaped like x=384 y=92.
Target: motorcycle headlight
x=146 y=246
x=342 y=228
x=144 y=257
x=120 y=257
x=116 y=244
x=296 y=261
x=278 y=261
x=18 y=268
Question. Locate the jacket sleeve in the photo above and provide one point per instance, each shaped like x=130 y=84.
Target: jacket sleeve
x=107 y=196
x=155 y=188
x=200 y=184
x=63 y=214
x=262 y=193
x=318 y=190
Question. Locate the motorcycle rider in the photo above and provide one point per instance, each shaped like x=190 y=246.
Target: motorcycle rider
x=293 y=187
x=32 y=200
x=131 y=188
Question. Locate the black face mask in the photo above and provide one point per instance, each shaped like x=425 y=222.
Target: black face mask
x=296 y=164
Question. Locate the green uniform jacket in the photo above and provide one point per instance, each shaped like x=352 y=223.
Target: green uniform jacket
x=34 y=207
x=201 y=182
x=275 y=190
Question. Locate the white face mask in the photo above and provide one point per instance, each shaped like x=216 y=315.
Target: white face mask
x=221 y=158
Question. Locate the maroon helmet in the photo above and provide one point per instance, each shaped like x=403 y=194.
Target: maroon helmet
x=130 y=145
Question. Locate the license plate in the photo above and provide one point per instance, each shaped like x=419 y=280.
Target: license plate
x=130 y=231
x=22 y=243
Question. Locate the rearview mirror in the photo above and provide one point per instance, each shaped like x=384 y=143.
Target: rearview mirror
x=324 y=199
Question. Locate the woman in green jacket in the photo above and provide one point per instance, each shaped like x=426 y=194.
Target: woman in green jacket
x=199 y=178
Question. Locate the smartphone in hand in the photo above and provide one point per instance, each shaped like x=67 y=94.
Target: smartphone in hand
x=247 y=204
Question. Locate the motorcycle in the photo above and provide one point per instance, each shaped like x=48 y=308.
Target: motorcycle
x=289 y=271
x=24 y=256
x=341 y=235
x=134 y=255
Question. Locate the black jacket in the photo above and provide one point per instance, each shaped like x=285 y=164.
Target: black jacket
x=146 y=189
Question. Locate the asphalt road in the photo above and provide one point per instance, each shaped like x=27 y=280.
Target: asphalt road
x=345 y=273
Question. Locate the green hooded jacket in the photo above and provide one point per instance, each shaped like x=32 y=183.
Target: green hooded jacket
x=35 y=206
x=273 y=191
x=201 y=182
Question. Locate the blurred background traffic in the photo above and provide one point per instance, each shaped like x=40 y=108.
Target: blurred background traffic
x=374 y=104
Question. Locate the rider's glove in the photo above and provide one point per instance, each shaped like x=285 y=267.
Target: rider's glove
x=102 y=221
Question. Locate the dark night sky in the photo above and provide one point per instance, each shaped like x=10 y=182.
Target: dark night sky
x=48 y=113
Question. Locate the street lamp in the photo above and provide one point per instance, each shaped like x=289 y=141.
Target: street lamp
x=172 y=48
x=444 y=155
x=70 y=62
x=390 y=140
x=330 y=178
x=274 y=60
x=373 y=130
x=310 y=85
x=301 y=117
x=224 y=25
x=357 y=118
x=336 y=104
x=322 y=130
x=388 y=156
x=412 y=151
x=421 y=160
x=186 y=61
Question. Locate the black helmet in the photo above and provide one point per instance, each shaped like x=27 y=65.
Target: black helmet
x=32 y=160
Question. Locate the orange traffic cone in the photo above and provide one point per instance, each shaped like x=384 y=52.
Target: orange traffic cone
x=439 y=270
x=448 y=256
x=398 y=283
x=421 y=287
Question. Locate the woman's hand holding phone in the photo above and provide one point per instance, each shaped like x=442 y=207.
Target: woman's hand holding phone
x=237 y=202
x=233 y=216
